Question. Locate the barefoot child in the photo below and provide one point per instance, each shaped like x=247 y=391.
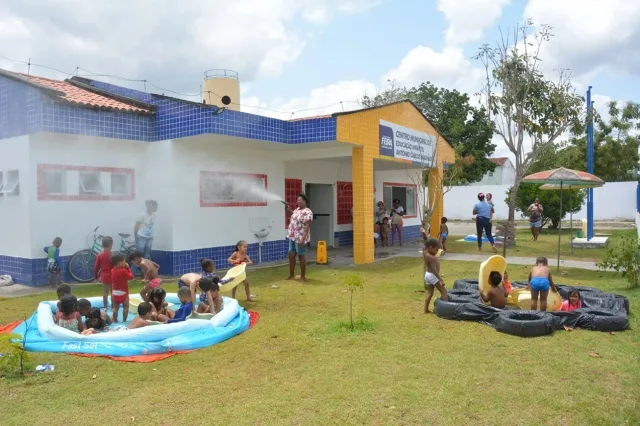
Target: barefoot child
x=61 y=291
x=497 y=295
x=85 y=309
x=238 y=257
x=539 y=283
x=444 y=232
x=208 y=292
x=159 y=311
x=53 y=261
x=120 y=277
x=68 y=316
x=150 y=271
x=432 y=276
x=208 y=268
x=144 y=316
x=572 y=303
x=102 y=270
x=95 y=319
x=384 y=232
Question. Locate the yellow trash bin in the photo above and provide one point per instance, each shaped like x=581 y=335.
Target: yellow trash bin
x=321 y=253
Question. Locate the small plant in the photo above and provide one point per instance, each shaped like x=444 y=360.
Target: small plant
x=624 y=256
x=14 y=358
x=353 y=284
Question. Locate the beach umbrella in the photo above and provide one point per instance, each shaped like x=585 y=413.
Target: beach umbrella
x=564 y=178
x=555 y=187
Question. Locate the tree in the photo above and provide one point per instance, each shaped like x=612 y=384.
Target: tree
x=615 y=146
x=550 y=157
x=624 y=256
x=522 y=102
x=465 y=127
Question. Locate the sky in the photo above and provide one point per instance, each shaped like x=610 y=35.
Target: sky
x=298 y=58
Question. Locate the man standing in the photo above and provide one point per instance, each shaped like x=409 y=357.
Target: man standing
x=143 y=230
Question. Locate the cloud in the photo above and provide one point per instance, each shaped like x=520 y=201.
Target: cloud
x=166 y=42
x=591 y=36
x=469 y=18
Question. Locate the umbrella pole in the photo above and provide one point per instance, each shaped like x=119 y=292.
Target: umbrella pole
x=571 y=221
x=560 y=225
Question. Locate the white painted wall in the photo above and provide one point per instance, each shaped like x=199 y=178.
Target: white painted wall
x=502 y=175
x=73 y=220
x=614 y=201
x=14 y=210
x=200 y=227
x=638 y=223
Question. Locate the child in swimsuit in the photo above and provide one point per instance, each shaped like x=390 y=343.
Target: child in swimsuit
x=540 y=282
x=53 y=261
x=497 y=295
x=432 y=277
x=444 y=233
x=572 y=303
x=95 y=319
x=209 y=292
x=86 y=310
x=150 y=269
x=238 y=257
x=144 y=316
x=158 y=306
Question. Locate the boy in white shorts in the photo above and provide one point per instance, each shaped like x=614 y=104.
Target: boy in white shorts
x=432 y=276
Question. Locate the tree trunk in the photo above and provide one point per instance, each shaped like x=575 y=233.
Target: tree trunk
x=351 y=308
x=513 y=199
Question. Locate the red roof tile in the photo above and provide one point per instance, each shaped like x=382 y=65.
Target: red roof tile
x=82 y=97
x=499 y=161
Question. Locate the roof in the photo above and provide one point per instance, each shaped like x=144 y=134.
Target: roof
x=81 y=95
x=335 y=114
x=499 y=161
x=315 y=117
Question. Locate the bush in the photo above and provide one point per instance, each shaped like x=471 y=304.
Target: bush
x=623 y=255
x=14 y=358
x=353 y=283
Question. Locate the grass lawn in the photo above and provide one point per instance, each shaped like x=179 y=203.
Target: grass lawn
x=546 y=245
x=295 y=368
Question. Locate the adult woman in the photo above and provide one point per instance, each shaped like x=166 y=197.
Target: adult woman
x=483 y=212
x=396 y=221
x=535 y=218
x=299 y=236
x=143 y=229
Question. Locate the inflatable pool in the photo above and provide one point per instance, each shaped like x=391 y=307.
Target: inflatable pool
x=474 y=238
x=41 y=334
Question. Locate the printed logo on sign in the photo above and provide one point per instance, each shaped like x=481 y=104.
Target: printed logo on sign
x=386 y=141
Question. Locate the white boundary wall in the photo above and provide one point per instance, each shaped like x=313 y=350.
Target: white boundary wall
x=614 y=201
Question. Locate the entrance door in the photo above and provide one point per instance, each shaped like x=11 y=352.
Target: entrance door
x=321 y=204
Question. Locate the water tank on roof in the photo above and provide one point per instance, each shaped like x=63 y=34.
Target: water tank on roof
x=221 y=88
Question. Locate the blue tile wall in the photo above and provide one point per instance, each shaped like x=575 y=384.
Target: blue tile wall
x=31 y=271
x=345 y=238
x=19 y=108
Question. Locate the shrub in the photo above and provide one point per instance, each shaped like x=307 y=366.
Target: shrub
x=623 y=255
x=353 y=284
x=14 y=358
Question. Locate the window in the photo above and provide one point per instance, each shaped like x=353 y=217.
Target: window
x=10 y=183
x=232 y=189
x=406 y=193
x=344 y=196
x=90 y=183
x=490 y=174
x=54 y=182
x=120 y=183
x=292 y=188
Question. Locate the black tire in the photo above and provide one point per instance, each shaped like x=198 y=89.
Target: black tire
x=462 y=296
x=608 y=302
x=602 y=320
x=525 y=323
x=465 y=284
x=81 y=266
x=446 y=309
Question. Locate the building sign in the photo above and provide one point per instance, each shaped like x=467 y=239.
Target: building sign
x=406 y=144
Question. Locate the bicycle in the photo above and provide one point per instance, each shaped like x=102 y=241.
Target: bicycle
x=82 y=262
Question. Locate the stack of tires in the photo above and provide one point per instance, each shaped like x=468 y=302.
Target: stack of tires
x=600 y=311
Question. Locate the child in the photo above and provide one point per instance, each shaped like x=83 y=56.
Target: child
x=539 y=283
x=102 y=270
x=144 y=316
x=61 y=291
x=150 y=270
x=384 y=232
x=432 y=276
x=159 y=311
x=84 y=308
x=120 y=277
x=95 y=319
x=68 y=316
x=507 y=283
x=444 y=232
x=238 y=257
x=186 y=304
x=208 y=268
x=572 y=303
x=207 y=292
x=497 y=295
x=53 y=261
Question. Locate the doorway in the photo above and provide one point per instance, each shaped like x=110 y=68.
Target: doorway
x=321 y=204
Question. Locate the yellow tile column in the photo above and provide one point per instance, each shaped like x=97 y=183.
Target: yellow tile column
x=362 y=173
x=435 y=179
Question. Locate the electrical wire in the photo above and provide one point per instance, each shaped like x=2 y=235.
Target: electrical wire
x=87 y=73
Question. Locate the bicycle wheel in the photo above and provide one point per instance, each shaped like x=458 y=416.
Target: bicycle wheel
x=81 y=266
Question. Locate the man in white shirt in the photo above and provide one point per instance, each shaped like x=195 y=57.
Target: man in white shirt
x=143 y=230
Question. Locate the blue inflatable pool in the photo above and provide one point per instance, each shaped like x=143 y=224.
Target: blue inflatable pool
x=474 y=238
x=43 y=335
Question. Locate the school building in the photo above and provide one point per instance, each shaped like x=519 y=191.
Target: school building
x=81 y=153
